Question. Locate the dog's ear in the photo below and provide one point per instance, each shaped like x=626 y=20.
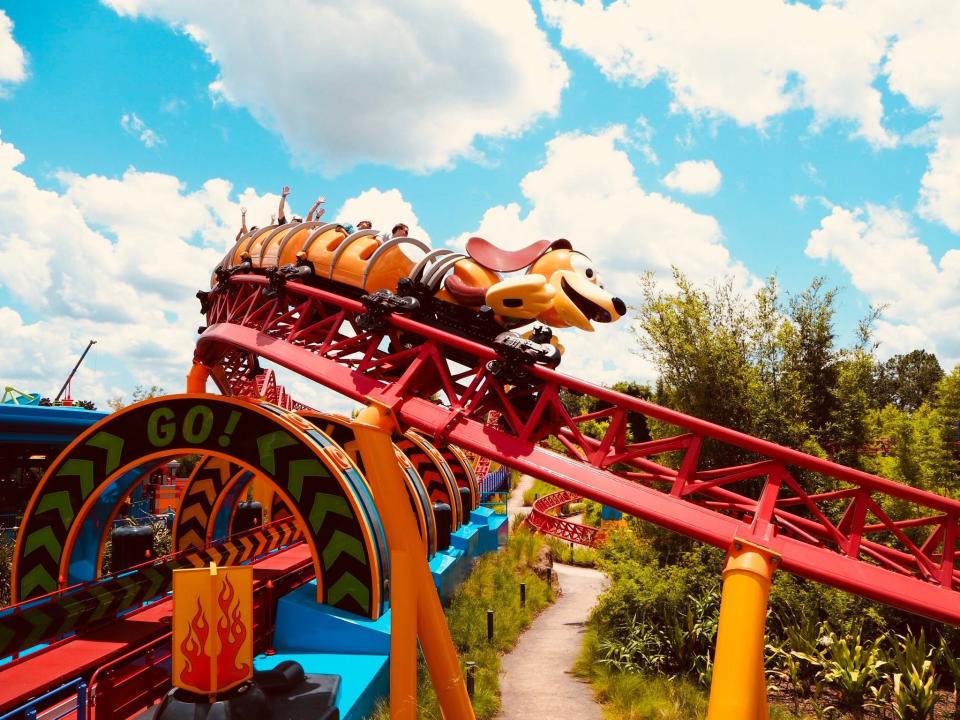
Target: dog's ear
x=465 y=294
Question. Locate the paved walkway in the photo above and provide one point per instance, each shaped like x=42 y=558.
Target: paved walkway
x=535 y=680
x=515 y=501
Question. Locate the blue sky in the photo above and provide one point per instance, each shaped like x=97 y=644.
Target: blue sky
x=748 y=139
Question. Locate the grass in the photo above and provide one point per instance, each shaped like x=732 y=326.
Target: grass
x=493 y=584
x=537 y=490
x=637 y=696
x=564 y=552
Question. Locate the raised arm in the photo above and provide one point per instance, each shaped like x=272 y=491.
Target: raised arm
x=313 y=209
x=243 y=223
x=281 y=216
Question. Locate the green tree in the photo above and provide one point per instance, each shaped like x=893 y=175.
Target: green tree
x=908 y=380
x=848 y=428
x=945 y=433
x=140 y=392
x=779 y=400
x=767 y=367
x=811 y=356
x=902 y=461
x=700 y=342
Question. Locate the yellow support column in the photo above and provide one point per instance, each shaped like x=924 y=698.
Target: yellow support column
x=739 y=690
x=414 y=602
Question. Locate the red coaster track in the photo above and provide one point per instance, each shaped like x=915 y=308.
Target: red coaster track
x=867 y=535
x=265 y=386
x=541 y=519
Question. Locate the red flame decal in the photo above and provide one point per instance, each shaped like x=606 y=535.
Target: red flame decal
x=197 y=670
x=232 y=632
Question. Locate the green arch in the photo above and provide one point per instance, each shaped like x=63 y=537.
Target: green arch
x=337 y=517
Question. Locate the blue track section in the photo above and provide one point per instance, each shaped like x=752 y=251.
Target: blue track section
x=326 y=641
x=93 y=531
x=39 y=425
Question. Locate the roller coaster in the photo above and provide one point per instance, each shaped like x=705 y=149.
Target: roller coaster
x=431 y=349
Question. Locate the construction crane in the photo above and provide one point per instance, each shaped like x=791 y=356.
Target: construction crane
x=73 y=372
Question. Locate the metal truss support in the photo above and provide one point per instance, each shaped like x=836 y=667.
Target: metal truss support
x=861 y=533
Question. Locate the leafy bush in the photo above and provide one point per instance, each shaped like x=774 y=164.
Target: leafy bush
x=7 y=542
x=677 y=645
x=571 y=554
x=853 y=666
x=949 y=661
x=798 y=659
x=914 y=691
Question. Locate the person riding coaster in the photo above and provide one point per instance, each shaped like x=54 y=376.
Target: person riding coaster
x=557 y=286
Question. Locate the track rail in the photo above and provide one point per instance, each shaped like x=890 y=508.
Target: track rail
x=542 y=520
x=265 y=386
x=863 y=533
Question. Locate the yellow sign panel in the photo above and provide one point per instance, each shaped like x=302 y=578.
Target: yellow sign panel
x=212 y=628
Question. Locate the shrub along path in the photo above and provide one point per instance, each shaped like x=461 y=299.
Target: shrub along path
x=536 y=679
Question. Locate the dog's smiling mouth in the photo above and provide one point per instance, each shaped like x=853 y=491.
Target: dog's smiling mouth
x=590 y=310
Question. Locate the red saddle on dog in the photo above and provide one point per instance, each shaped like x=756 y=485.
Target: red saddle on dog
x=499 y=260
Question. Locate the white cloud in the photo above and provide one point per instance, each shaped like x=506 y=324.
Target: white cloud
x=940 y=185
x=606 y=356
x=810 y=170
x=587 y=191
x=313 y=394
x=38 y=356
x=643 y=134
x=694 y=177
x=749 y=63
x=133 y=125
x=768 y=57
x=799 y=201
x=411 y=83
x=384 y=209
x=886 y=261
x=115 y=259
x=118 y=259
x=13 y=62
x=173 y=106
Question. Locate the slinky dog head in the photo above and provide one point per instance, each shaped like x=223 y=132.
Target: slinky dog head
x=560 y=288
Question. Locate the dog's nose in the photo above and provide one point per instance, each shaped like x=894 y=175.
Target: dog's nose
x=619 y=306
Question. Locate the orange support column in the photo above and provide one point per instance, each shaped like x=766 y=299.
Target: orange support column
x=414 y=603
x=197 y=378
x=738 y=690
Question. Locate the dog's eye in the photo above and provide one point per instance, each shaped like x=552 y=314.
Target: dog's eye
x=581 y=263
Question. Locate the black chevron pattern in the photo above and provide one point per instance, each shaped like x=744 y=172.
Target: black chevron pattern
x=462 y=472
x=195 y=513
x=433 y=469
